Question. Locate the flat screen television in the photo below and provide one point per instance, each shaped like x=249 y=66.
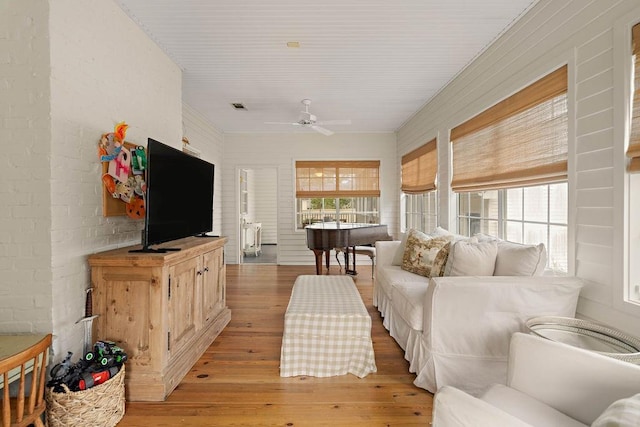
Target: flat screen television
x=179 y=196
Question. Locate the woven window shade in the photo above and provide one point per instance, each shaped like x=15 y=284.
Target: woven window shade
x=633 y=151
x=518 y=142
x=338 y=179
x=419 y=169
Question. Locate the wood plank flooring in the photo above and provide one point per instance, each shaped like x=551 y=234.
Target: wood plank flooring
x=237 y=381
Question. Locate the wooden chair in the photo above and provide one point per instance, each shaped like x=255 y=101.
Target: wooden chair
x=29 y=405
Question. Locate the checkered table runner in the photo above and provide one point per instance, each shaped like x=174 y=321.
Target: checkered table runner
x=327 y=330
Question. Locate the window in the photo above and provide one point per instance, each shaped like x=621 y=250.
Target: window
x=418 y=203
x=633 y=152
x=633 y=167
x=419 y=211
x=344 y=191
x=528 y=215
x=510 y=169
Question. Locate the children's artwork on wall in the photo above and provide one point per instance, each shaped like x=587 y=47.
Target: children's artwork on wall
x=123 y=168
x=120 y=167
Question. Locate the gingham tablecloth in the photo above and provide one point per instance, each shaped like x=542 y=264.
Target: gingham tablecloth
x=327 y=330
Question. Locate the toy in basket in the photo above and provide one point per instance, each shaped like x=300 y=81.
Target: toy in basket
x=90 y=391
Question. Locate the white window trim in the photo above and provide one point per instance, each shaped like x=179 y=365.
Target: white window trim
x=621 y=280
x=403 y=212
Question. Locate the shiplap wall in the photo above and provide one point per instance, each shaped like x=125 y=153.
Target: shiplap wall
x=264 y=196
x=581 y=34
x=280 y=151
x=208 y=140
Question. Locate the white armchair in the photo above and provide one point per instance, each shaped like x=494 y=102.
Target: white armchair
x=549 y=384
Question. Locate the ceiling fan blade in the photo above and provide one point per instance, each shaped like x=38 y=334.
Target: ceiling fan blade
x=335 y=122
x=282 y=123
x=322 y=130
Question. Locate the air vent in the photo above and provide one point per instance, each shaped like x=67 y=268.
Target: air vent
x=238 y=106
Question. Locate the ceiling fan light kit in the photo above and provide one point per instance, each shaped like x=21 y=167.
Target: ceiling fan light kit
x=310 y=121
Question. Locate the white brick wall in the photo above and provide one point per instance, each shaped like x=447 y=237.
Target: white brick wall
x=103 y=69
x=552 y=33
x=71 y=70
x=25 y=215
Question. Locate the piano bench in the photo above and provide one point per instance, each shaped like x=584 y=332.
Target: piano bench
x=369 y=251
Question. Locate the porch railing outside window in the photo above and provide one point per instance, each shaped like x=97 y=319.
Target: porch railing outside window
x=348 y=210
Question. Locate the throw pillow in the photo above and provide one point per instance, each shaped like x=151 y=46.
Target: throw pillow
x=515 y=259
x=486 y=238
x=471 y=258
x=621 y=413
x=440 y=261
x=397 y=257
x=420 y=252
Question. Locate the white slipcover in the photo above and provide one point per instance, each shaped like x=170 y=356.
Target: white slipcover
x=467 y=321
x=549 y=384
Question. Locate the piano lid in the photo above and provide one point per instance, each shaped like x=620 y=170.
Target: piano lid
x=339 y=225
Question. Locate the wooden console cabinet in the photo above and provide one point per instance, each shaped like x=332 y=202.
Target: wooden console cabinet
x=163 y=309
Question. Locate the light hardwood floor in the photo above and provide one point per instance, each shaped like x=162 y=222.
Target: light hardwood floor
x=237 y=381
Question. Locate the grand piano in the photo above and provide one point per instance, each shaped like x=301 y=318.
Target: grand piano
x=322 y=237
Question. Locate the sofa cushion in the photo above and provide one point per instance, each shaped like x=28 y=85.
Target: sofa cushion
x=408 y=299
x=526 y=408
x=621 y=413
x=420 y=252
x=389 y=276
x=516 y=259
x=471 y=258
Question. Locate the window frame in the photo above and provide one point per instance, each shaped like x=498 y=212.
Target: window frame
x=359 y=196
x=624 y=279
x=502 y=220
x=429 y=217
x=300 y=225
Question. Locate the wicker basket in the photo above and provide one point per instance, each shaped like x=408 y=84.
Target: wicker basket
x=100 y=406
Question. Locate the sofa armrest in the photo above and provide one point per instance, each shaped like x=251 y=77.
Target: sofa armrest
x=575 y=381
x=455 y=408
x=476 y=315
x=385 y=251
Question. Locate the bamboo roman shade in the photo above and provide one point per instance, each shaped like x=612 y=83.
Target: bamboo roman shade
x=338 y=179
x=520 y=141
x=419 y=169
x=634 y=137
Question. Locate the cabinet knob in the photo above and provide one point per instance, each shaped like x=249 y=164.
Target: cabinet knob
x=199 y=273
x=206 y=269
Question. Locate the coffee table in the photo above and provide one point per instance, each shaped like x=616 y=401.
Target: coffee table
x=327 y=329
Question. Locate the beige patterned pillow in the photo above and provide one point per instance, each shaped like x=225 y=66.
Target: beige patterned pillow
x=440 y=261
x=421 y=251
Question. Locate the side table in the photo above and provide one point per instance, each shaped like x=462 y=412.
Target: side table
x=588 y=335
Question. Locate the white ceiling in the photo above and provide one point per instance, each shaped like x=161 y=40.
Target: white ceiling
x=375 y=62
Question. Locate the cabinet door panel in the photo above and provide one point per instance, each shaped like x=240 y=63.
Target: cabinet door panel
x=183 y=311
x=211 y=291
x=128 y=304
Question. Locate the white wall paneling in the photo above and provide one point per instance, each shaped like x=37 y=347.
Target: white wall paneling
x=581 y=34
x=281 y=151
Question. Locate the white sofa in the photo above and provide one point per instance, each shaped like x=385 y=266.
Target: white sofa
x=456 y=330
x=549 y=384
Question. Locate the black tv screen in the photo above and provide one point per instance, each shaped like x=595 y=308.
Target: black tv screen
x=179 y=197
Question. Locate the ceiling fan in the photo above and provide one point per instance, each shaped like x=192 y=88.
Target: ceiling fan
x=310 y=121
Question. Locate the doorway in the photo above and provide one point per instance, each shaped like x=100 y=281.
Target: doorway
x=258 y=215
